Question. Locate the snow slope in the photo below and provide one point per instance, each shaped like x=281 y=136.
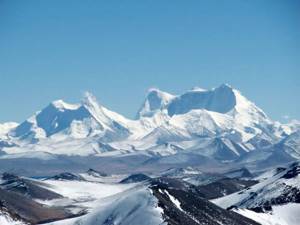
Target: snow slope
x=82 y=194
x=276 y=187
x=137 y=206
x=5 y=219
x=106 y=202
x=281 y=215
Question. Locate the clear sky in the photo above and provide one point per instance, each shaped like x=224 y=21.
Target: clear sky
x=58 y=49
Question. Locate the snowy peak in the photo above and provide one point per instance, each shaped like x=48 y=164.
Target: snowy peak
x=76 y=120
x=221 y=99
x=90 y=103
x=60 y=104
x=59 y=115
x=6 y=127
x=155 y=100
x=56 y=117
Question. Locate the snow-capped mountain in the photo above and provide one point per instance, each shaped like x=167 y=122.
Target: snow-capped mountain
x=156 y=100
x=220 y=110
x=75 y=120
x=219 y=123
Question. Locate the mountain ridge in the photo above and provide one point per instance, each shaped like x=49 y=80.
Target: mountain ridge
x=219 y=123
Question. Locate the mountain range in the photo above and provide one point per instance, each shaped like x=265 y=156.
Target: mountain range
x=220 y=124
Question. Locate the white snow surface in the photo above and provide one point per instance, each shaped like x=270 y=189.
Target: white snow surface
x=135 y=206
x=281 y=215
x=60 y=104
x=82 y=193
x=6 y=127
x=5 y=219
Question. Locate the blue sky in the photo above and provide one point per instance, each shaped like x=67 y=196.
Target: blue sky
x=118 y=49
